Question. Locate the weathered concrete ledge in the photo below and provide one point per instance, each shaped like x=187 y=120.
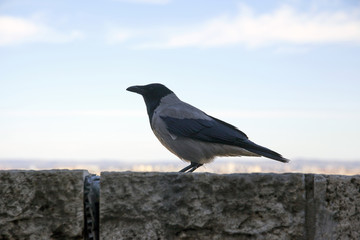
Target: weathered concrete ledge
x=37 y=205
x=134 y=205
x=236 y=206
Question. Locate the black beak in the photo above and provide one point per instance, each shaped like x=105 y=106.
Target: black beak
x=136 y=89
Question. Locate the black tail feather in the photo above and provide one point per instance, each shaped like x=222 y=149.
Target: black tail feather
x=263 y=151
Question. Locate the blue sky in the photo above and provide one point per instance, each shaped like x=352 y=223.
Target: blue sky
x=286 y=73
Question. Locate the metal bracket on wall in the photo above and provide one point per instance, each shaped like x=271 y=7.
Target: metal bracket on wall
x=91 y=207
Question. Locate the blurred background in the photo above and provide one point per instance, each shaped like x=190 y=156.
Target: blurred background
x=287 y=73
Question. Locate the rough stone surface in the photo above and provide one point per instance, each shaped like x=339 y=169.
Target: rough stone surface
x=202 y=206
x=337 y=207
x=39 y=205
x=49 y=205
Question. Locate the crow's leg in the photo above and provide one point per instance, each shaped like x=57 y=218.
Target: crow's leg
x=193 y=166
x=187 y=167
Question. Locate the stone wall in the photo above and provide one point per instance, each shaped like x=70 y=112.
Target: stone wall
x=38 y=205
x=136 y=205
x=235 y=206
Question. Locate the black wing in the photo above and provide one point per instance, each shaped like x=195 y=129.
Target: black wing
x=216 y=131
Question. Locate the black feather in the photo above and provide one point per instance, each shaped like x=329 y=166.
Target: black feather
x=263 y=151
x=216 y=131
x=213 y=130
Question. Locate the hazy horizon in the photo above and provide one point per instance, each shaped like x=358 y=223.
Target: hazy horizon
x=221 y=165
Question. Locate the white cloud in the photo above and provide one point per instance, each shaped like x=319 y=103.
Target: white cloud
x=16 y=30
x=284 y=25
x=116 y=35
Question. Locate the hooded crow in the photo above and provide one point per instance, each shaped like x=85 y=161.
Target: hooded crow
x=193 y=135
